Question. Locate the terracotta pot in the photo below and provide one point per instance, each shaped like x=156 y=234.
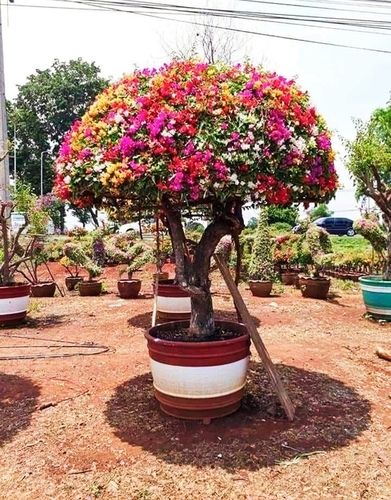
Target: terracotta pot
x=199 y=380
x=173 y=303
x=129 y=289
x=72 y=281
x=260 y=288
x=314 y=288
x=162 y=276
x=45 y=289
x=289 y=277
x=90 y=288
x=14 y=300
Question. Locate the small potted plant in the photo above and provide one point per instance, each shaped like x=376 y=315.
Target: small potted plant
x=39 y=257
x=137 y=256
x=73 y=270
x=14 y=297
x=316 y=241
x=90 y=287
x=261 y=268
x=284 y=254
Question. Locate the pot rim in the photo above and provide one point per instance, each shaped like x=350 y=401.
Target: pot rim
x=203 y=344
x=126 y=280
x=42 y=283
x=320 y=278
x=260 y=281
x=15 y=285
x=373 y=278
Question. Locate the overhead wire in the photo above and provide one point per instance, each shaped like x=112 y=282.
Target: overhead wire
x=162 y=11
x=230 y=29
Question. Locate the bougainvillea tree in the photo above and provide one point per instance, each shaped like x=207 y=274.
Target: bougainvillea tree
x=370 y=164
x=191 y=134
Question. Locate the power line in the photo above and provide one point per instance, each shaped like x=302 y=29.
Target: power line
x=288 y=22
x=237 y=30
x=159 y=11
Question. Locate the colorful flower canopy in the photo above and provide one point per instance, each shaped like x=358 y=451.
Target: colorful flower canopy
x=198 y=133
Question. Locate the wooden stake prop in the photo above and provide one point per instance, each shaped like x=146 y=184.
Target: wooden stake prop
x=256 y=338
x=382 y=353
x=154 y=314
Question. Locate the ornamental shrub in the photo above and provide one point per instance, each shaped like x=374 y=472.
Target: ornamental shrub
x=261 y=264
x=369 y=162
x=371 y=230
x=77 y=255
x=196 y=134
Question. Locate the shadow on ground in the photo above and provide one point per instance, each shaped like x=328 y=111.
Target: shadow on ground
x=329 y=415
x=144 y=320
x=18 y=401
x=46 y=321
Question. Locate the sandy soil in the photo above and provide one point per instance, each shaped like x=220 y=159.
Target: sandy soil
x=84 y=427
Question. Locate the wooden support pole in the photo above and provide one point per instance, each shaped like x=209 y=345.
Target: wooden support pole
x=156 y=290
x=257 y=341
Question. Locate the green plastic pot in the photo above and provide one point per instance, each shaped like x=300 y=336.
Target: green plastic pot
x=377 y=296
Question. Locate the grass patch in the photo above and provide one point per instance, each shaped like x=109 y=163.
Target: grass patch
x=346 y=286
x=350 y=244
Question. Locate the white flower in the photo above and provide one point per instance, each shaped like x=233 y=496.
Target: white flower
x=118 y=118
x=251 y=185
x=167 y=133
x=234 y=179
x=67 y=179
x=245 y=147
x=299 y=144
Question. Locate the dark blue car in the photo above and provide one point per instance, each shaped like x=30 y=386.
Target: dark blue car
x=336 y=225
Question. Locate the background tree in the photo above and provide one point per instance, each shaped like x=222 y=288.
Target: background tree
x=322 y=210
x=369 y=163
x=287 y=215
x=44 y=109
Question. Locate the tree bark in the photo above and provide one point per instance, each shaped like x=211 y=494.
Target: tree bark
x=192 y=272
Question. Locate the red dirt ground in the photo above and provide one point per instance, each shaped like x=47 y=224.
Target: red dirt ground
x=87 y=427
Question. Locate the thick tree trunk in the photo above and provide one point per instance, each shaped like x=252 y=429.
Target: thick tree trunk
x=192 y=272
x=202 y=320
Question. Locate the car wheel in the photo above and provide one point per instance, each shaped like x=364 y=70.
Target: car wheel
x=350 y=232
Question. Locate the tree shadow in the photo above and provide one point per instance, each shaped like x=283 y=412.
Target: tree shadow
x=40 y=322
x=329 y=415
x=144 y=320
x=18 y=401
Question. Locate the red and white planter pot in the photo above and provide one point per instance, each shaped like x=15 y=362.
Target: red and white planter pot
x=199 y=380
x=14 y=300
x=173 y=303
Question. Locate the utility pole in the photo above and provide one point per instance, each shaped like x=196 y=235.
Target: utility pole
x=4 y=162
x=15 y=154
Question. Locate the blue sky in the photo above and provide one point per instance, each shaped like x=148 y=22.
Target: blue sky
x=342 y=83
